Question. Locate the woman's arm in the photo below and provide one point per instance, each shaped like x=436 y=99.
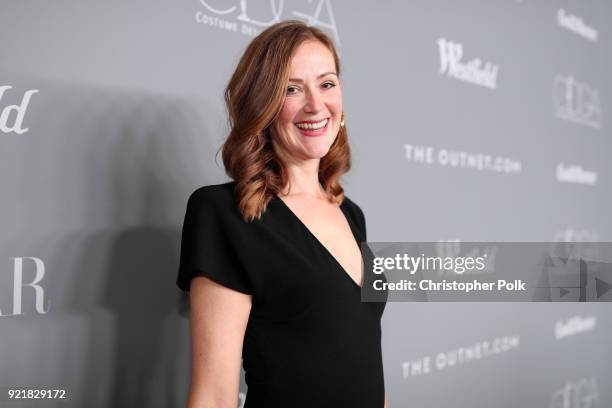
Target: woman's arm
x=219 y=316
x=385 y=400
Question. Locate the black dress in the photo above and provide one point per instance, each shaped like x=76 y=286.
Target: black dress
x=310 y=341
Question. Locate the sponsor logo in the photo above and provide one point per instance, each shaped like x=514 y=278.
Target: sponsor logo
x=471 y=71
x=461 y=159
x=20 y=111
x=580 y=394
x=574 y=173
x=576 y=25
x=576 y=101
x=579 y=245
x=238 y=17
x=19 y=285
x=574 y=325
x=459 y=356
x=573 y=235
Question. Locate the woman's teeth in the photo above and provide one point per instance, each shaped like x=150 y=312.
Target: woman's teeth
x=312 y=126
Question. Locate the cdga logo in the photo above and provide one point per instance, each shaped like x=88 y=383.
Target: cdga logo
x=239 y=17
x=576 y=101
x=580 y=394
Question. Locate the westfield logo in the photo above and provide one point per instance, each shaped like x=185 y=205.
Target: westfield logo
x=473 y=71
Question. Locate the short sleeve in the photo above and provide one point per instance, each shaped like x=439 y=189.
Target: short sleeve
x=207 y=244
x=362 y=223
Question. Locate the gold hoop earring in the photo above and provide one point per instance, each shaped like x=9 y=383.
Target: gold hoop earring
x=342 y=120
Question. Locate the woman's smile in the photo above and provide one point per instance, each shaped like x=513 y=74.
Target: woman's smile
x=313 y=129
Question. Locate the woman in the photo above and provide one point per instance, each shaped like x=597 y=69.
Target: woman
x=272 y=258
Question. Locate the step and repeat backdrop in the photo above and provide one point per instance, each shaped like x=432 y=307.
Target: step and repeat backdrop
x=469 y=121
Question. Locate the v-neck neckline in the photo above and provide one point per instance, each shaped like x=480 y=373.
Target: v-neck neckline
x=323 y=247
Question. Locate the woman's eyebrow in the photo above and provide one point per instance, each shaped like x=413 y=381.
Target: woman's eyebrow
x=320 y=76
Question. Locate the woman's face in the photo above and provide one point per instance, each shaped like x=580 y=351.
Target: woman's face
x=310 y=118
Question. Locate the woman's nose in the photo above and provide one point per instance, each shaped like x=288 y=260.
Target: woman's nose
x=314 y=101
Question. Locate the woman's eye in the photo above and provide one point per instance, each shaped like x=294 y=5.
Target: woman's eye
x=326 y=85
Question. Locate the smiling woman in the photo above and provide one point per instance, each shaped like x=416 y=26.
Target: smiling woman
x=272 y=258
x=296 y=72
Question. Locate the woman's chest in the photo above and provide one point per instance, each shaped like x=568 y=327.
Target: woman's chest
x=331 y=233
x=291 y=268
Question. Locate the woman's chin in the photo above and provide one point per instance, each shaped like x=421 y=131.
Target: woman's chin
x=317 y=152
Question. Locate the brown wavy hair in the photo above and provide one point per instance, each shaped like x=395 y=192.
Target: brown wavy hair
x=254 y=97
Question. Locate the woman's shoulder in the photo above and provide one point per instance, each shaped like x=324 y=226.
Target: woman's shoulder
x=222 y=193
x=214 y=199
x=351 y=205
